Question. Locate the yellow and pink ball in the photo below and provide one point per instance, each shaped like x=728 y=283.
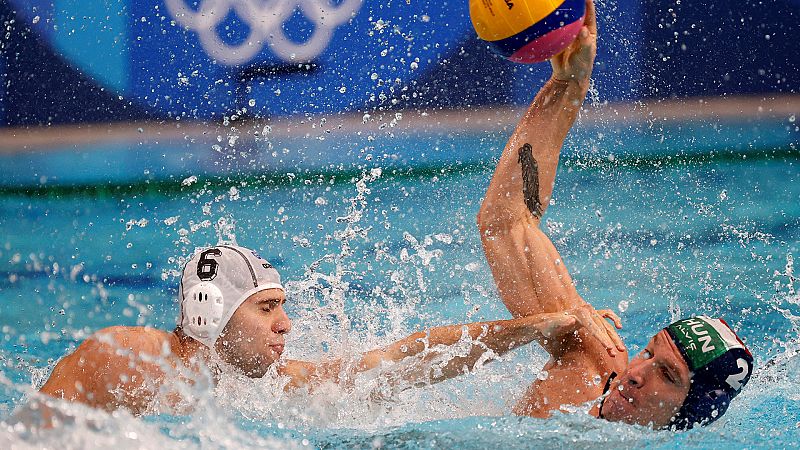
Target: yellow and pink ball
x=527 y=31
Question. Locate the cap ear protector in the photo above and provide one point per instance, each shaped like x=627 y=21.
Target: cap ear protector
x=203 y=306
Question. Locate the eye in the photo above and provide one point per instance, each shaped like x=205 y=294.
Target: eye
x=646 y=354
x=269 y=306
x=668 y=375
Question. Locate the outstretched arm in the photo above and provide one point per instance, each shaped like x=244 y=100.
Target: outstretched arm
x=528 y=270
x=442 y=353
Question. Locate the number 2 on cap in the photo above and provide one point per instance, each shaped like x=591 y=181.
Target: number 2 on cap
x=735 y=380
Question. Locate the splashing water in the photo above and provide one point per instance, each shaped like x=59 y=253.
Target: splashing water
x=359 y=284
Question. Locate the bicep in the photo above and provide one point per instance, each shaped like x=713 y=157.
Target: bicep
x=528 y=270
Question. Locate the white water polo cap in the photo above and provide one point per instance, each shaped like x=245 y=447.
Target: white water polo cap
x=215 y=282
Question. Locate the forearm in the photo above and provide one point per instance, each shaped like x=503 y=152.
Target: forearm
x=445 y=352
x=434 y=355
x=523 y=180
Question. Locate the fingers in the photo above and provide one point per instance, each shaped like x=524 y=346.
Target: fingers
x=602 y=332
x=614 y=337
x=609 y=314
x=595 y=325
x=591 y=17
x=556 y=62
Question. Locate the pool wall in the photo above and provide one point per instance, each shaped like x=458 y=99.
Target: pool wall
x=141 y=154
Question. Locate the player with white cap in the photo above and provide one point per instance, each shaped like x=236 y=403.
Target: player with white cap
x=231 y=314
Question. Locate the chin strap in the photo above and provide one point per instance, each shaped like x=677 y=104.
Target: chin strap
x=605 y=394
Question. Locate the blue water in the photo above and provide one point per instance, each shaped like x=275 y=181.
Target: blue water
x=652 y=238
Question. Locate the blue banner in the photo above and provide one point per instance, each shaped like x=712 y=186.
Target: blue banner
x=203 y=59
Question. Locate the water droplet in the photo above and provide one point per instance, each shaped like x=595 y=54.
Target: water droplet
x=252 y=102
x=623 y=306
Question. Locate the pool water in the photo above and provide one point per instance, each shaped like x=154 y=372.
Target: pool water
x=380 y=251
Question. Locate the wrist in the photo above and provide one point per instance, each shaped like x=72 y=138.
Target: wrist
x=566 y=80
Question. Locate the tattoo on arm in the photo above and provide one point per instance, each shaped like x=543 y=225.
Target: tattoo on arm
x=530 y=180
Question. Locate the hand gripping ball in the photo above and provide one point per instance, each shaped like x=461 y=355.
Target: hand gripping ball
x=527 y=31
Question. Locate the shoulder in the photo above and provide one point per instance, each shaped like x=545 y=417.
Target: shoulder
x=573 y=379
x=590 y=356
x=118 y=350
x=133 y=340
x=119 y=353
x=109 y=367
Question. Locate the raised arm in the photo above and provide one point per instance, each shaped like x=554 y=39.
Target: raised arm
x=528 y=270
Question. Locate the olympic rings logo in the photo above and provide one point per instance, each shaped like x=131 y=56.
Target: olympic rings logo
x=265 y=20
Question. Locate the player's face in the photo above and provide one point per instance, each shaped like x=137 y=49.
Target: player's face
x=254 y=337
x=653 y=388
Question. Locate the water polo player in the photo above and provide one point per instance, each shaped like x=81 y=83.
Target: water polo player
x=688 y=373
x=232 y=316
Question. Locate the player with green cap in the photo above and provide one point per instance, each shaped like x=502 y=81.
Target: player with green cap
x=720 y=365
x=689 y=371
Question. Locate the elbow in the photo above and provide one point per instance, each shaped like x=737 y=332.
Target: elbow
x=483 y=220
x=494 y=219
x=488 y=218
x=487 y=226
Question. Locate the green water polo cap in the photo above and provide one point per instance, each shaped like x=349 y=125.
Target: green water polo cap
x=720 y=366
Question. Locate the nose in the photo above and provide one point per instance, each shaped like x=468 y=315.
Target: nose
x=282 y=323
x=636 y=375
x=635 y=380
